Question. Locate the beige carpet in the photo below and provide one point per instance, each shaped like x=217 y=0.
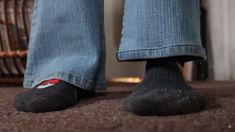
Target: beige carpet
x=104 y=113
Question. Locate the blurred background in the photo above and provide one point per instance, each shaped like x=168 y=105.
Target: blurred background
x=217 y=26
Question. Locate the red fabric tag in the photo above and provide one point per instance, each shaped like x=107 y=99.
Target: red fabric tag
x=48 y=83
x=51 y=81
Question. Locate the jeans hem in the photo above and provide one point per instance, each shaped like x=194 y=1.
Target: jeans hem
x=67 y=77
x=163 y=52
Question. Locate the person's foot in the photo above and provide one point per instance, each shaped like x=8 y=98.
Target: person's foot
x=164 y=92
x=50 y=95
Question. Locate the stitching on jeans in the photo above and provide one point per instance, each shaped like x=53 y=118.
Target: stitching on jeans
x=160 y=48
x=60 y=73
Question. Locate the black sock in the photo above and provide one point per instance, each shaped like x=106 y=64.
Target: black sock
x=164 y=92
x=50 y=95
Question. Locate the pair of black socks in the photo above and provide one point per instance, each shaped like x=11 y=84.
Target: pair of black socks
x=162 y=92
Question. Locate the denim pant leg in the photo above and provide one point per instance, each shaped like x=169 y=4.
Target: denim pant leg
x=160 y=29
x=67 y=42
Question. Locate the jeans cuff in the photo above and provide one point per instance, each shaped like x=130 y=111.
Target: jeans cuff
x=163 y=52
x=67 y=77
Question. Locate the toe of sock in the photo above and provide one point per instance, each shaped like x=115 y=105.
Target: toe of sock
x=165 y=104
x=27 y=102
x=48 y=103
x=40 y=104
x=20 y=101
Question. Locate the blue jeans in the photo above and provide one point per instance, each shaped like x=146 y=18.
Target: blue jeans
x=67 y=39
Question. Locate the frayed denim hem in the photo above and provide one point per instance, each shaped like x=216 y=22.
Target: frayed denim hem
x=163 y=52
x=68 y=77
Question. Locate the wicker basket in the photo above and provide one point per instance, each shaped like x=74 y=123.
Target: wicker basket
x=14 y=36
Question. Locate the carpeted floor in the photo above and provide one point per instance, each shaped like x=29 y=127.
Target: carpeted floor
x=104 y=113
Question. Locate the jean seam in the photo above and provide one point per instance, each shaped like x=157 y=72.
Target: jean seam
x=88 y=80
x=138 y=54
x=159 y=48
x=84 y=84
